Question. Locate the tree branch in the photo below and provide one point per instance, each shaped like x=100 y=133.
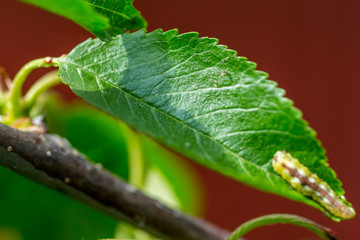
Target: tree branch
x=51 y=161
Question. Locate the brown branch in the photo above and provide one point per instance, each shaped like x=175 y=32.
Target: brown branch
x=51 y=161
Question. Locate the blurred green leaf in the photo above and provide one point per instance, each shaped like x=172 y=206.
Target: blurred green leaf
x=42 y=214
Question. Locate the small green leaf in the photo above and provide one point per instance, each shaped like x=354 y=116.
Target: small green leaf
x=200 y=99
x=102 y=18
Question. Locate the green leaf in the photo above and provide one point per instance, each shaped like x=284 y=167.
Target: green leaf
x=200 y=99
x=102 y=18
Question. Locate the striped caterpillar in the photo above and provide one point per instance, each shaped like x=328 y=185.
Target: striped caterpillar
x=309 y=184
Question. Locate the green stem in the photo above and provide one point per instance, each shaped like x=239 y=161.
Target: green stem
x=135 y=158
x=14 y=105
x=321 y=231
x=46 y=82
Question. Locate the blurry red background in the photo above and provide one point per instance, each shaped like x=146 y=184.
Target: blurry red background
x=311 y=48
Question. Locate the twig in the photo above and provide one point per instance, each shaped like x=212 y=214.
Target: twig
x=51 y=161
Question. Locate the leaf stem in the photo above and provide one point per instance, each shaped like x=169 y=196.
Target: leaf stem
x=321 y=231
x=135 y=158
x=14 y=104
x=44 y=83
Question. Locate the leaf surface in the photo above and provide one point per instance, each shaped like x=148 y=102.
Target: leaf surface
x=102 y=18
x=200 y=99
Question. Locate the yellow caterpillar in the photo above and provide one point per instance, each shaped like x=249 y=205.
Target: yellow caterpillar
x=309 y=184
